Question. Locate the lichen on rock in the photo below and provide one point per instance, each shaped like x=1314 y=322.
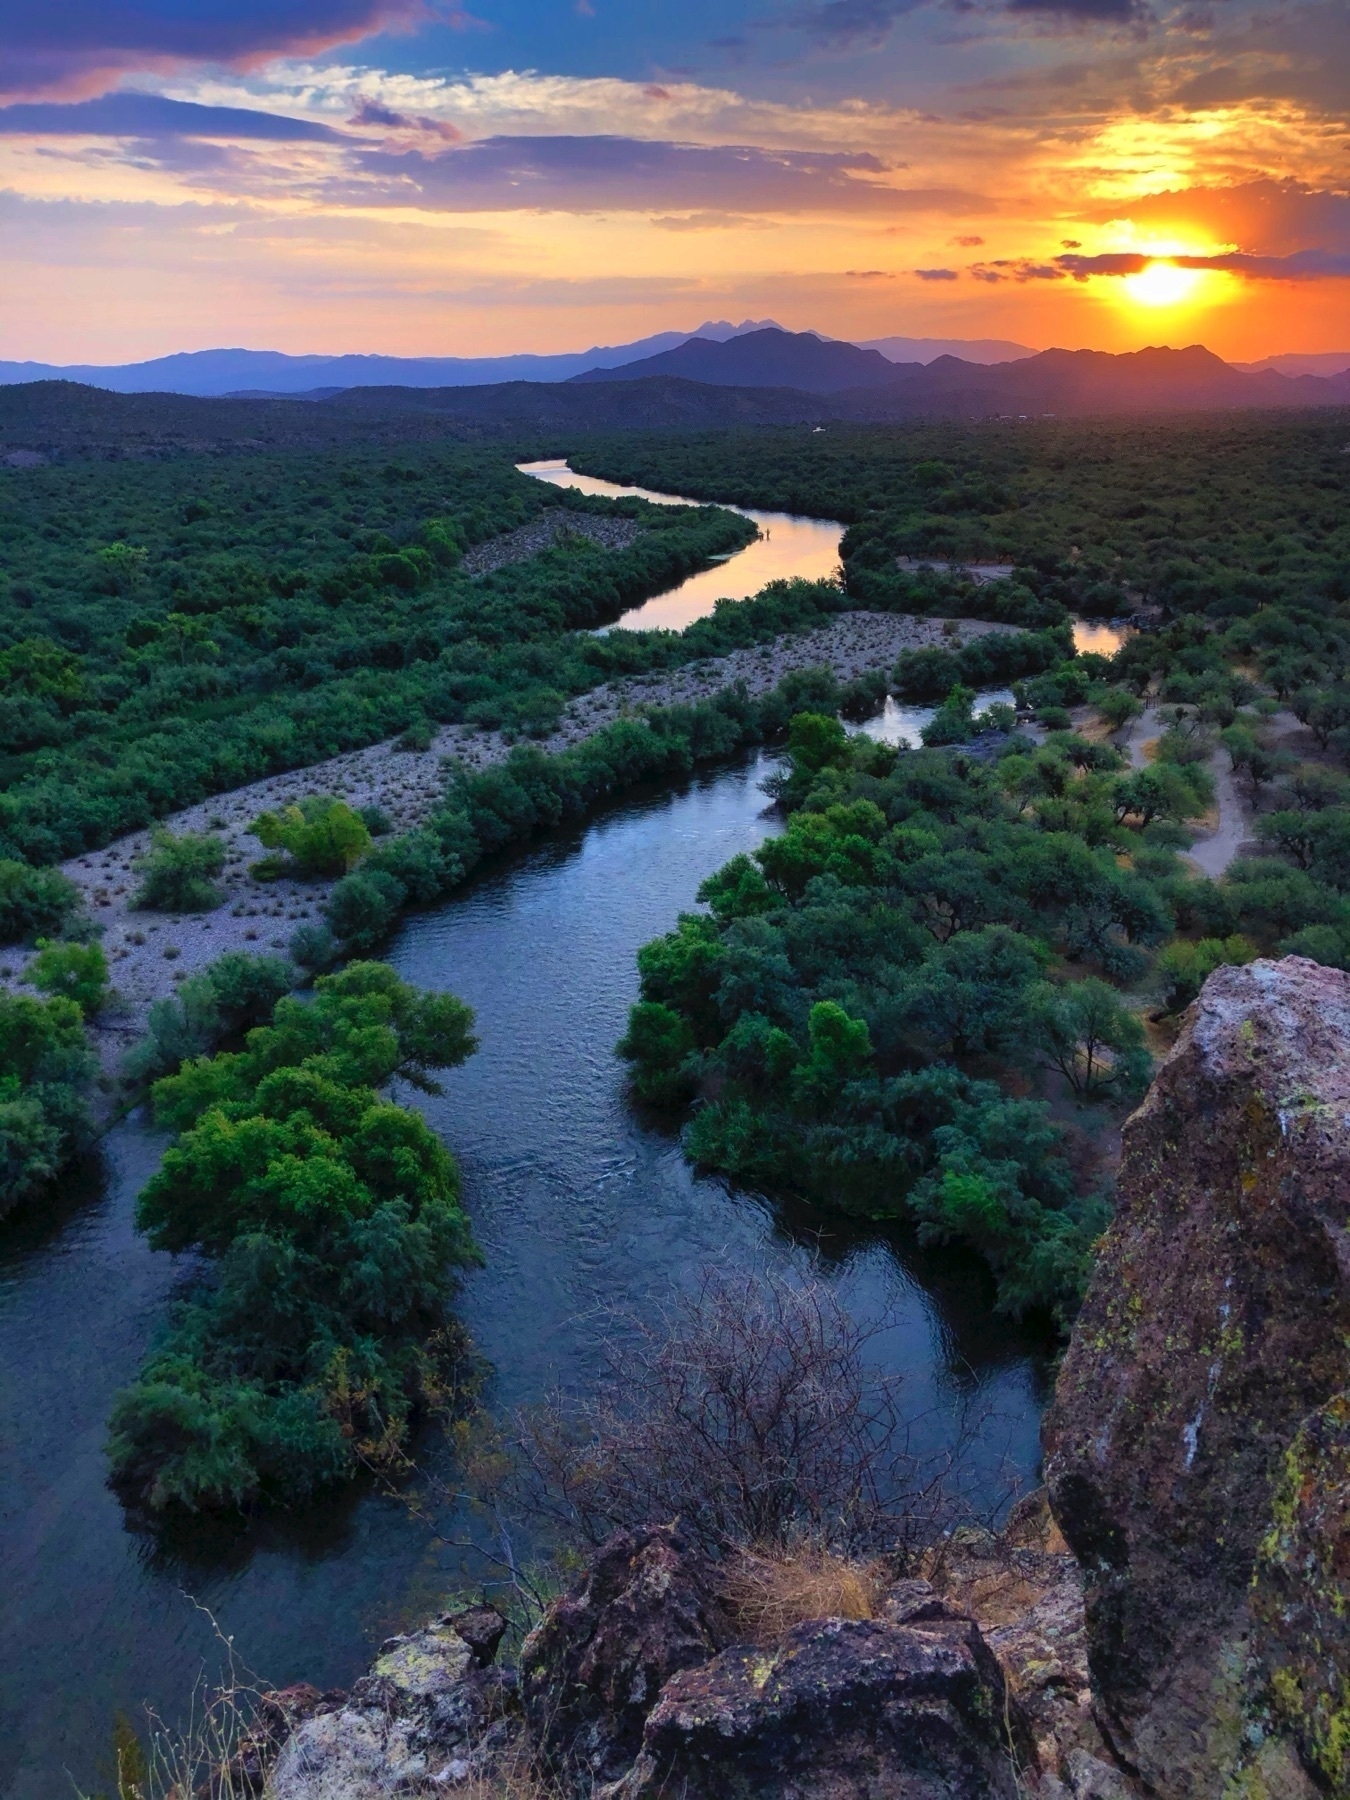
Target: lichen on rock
x=1215 y=1331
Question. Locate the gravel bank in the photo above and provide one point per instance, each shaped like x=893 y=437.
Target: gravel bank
x=150 y=953
x=543 y=532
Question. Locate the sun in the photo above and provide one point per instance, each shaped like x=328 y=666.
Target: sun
x=1162 y=284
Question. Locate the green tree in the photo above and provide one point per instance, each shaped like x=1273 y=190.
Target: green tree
x=177 y=873
x=321 y=835
x=77 y=971
x=34 y=902
x=332 y=1217
x=1086 y=1031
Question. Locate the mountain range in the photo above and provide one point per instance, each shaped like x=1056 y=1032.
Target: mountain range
x=256 y=374
x=1052 y=381
x=764 y=376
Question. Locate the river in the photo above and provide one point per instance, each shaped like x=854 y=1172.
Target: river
x=579 y=1204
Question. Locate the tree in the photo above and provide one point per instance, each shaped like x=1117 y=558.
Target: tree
x=658 y=1043
x=77 y=971
x=1118 y=706
x=321 y=835
x=1086 y=1031
x=177 y=872
x=34 y=902
x=333 y=1219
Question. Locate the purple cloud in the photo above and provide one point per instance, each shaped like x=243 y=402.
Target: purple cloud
x=153 y=116
x=80 y=46
x=937 y=274
x=589 y=173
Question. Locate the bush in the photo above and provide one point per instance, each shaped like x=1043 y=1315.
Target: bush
x=222 y=1000
x=1186 y=966
x=363 y=908
x=320 y=836
x=313 y=947
x=77 y=971
x=177 y=874
x=34 y=902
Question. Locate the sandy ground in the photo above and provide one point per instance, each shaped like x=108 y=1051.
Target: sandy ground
x=150 y=953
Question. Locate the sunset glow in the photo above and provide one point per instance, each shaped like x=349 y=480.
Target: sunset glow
x=1162 y=284
x=332 y=175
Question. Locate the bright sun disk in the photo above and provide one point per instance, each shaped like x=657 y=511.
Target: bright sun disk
x=1162 y=284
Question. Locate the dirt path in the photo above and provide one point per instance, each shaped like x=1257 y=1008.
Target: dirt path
x=151 y=952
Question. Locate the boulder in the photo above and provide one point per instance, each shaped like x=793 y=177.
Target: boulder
x=592 y=1669
x=427 y=1716
x=842 y=1709
x=1214 y=1336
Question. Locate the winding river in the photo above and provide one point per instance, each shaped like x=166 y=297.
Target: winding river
x=579 y=1204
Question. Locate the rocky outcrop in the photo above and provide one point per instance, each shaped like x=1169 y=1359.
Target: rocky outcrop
x=1197 y=1443
x=842 y=1709
x=431 y=1713
x=592 y=1670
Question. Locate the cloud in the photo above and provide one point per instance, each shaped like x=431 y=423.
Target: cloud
x=609 y=173
x=372 y=113
x=1268 y=218
x=713 y=221
x=849 y=22
x=80 y=46
x=1303 y=265
x=937 y=274
x=1107 y=11
x=132 y=115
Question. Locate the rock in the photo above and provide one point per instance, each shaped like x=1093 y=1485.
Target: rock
x=426 y=1708
x=1214 y=1337
x=592 y=1668
x=843 y=1709
x=482 y=1628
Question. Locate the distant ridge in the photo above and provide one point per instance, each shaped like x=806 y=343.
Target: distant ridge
x=217 y=373
x=926 y=350
x=52 y=420
x=266 y=373
x=1319 y=362
x=768 y=358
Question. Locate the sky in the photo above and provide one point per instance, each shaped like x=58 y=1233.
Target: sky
x=424 y=177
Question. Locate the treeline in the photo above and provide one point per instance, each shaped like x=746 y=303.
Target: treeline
x=1221 y=515
x=182 y=629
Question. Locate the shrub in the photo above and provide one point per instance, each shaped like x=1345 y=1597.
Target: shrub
x=363 y=908
x=223 y=999
x=77 y=971
x=321 y=835
x=313 y=947
x=177 y=874
x=34 y=902
x=1186 y=966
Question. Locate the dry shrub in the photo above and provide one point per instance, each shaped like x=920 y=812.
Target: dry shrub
x=766 y=1594
x=753 y=1412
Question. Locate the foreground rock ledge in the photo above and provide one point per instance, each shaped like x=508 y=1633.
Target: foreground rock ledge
x=1197 y=1445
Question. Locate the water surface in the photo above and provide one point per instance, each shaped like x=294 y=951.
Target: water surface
x=579 y=1204
x=787 y=546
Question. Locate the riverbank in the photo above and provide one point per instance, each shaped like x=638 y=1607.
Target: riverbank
x=150 y=953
